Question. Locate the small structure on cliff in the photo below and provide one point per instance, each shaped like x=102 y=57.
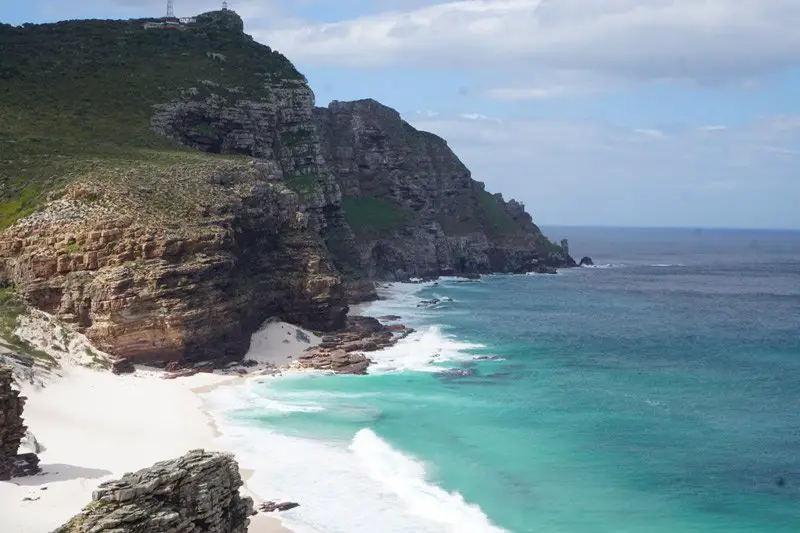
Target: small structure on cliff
x=12 y=431
x=197 y=492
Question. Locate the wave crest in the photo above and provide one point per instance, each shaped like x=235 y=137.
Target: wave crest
x=406 y=478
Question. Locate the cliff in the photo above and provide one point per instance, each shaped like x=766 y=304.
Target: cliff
x=413 y=205
x=165 y=189
x=196 y=492
x=12 y=431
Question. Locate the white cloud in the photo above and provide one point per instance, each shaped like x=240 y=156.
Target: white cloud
x=529 y=93
x=651 y=133
x=712 y=127
x=584 y=172
x=708 y=40
x=474 y=116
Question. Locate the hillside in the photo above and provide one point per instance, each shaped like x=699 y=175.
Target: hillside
x=167 y=188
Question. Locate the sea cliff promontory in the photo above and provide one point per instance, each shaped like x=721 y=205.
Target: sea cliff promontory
x=164 y=189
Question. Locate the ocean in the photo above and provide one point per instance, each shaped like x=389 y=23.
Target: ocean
x=657 y=392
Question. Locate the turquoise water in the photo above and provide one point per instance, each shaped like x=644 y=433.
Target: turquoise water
x=659 y=392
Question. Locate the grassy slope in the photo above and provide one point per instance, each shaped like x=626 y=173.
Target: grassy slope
x=76 y=97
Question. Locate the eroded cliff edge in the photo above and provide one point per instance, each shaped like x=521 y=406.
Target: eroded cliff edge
x=165 y=190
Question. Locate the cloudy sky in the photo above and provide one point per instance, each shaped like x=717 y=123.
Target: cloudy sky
x=609 y=112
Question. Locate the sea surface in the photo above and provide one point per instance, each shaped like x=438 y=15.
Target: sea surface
x=658 y=392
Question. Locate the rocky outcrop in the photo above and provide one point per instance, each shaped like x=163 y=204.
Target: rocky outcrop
x=13 y=431
x=343 y=352
x=360 y=291
x=586 y=261
x=154 y=286
x=413 y=205
x=198 y=492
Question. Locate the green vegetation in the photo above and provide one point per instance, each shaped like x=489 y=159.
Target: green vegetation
x=76 y=97
x=371 y=217
x=493 y=217
x=11 y=308
x=482 y=211
x=303 y=184
x=98 y=361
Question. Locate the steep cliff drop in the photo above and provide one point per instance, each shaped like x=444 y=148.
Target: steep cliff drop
x=413 y=205
x=167 y=196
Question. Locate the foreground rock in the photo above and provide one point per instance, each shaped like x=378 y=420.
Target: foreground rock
x=13 y=431
x=197 y=493
x=342 y=352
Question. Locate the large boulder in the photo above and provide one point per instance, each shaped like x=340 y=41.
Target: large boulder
x=197 y=493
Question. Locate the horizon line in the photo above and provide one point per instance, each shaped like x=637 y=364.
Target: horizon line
x=688 y=228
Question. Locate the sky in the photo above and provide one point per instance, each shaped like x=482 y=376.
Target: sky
x=591 y=112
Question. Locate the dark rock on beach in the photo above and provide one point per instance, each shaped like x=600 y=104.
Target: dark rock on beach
x=271 y=507
x=197 y=492
x=12 y=431
x=342 y=352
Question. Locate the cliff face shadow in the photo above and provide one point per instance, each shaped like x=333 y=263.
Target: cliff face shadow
x=53 y=473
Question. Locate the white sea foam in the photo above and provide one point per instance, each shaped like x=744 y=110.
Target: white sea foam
x=605 y=265
x=406 y=477
x=360 y=485
x=423 y=351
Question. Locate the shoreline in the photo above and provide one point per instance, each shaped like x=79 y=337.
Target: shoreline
x=114 y=424
x=95 y=426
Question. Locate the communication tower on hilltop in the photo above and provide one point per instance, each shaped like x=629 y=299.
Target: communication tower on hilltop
x=170 y=8
x=224 y=5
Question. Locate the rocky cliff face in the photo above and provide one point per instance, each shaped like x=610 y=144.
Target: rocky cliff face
x=154 y=286
x=413 y=205
x=12 y=431
x=198 y=492
x=207 y=193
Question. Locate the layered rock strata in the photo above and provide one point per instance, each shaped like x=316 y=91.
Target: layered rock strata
x=153 y=288
x=343 y=352
x=196 y=493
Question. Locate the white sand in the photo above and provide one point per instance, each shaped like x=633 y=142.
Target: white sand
x=279 y=343
x=96 y=426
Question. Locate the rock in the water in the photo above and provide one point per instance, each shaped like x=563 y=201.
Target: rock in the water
x=586 y=261
x=196 y=493
x=341 y=351
x=13 y=431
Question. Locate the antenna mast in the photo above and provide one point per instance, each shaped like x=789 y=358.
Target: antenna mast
x=170 y=8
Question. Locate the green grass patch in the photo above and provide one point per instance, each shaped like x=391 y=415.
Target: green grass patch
x=493 y=217
x=11 y=308
x=77 y=97
x=371 y=217
x=304 y=184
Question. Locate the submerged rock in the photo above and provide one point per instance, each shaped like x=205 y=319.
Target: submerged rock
x=198 y=492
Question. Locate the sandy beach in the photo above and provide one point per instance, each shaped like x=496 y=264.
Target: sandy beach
x=95 y=426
